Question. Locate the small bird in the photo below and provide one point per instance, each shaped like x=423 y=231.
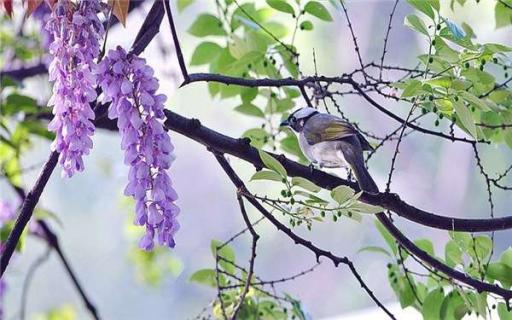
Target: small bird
x=331 y=142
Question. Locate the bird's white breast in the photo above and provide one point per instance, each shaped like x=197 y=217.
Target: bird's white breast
x=326 y=154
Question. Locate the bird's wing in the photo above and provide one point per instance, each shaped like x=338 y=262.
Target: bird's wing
x=324 y=127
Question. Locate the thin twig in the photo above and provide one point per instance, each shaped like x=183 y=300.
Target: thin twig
x=255 y=238
x=179 y=53
x=28 y=280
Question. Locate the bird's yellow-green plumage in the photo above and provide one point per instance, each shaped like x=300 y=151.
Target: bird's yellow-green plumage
x=328 y=131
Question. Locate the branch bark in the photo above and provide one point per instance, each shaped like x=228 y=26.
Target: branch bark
x=29 y=204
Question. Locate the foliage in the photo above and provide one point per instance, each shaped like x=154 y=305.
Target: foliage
x=459 y=81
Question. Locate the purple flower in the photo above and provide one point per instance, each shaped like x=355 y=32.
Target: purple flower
x=76 y=30
x=129 y=84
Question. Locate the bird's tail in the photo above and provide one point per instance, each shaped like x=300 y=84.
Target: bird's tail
x=364 y=179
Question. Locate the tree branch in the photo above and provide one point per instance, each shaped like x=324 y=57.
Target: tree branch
x=255 y=238
x=29 y=204
x=53 y=242
x=240 y=148
x=297 y=239
x=179 y=53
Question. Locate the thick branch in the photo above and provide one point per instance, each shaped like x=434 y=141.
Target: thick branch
x=25 y=72
x=192 y=128
x=480 y=286
x=53 y=241
x=26 y=210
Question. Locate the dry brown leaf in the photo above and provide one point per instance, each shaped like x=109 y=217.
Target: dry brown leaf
x=120 y=9
x=32 y=6
x=8 y=7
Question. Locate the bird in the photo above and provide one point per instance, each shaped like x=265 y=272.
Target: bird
x=331 y=142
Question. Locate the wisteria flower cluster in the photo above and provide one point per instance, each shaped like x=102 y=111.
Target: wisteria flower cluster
x=128 y=82
x=76 y=31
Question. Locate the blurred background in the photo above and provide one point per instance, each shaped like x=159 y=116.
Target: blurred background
x=95 y=218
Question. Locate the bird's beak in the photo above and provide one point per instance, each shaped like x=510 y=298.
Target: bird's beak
x=285 y=123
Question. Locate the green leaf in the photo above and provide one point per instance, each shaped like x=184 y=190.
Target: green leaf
x=283 y=105
x=401 y=286
x=282 y=6
x=482 y=81
x=443 y=81
x=271 y=163
x=289 y=61
x=248 y=94
x=463 y=239
x=387 y=237
x=425 y=245
x=37 y=128
x=182 y=4
x=415 y=23
x=6 y=81
x=239 y=16
x=503 y=312
x=435 y=4
x=205 y=277
x=257 y=136
x=361 y=207
x=465 y=117
x=267 y=175
x=474 y=100
x=453 y=307
x=479 y=302
x=250 y=110
x=318 y=10
x=15 y=103
x=306 y=184
x=227 y=253
x=423 y=6
x=431 y=309
x=375 y=249
x=213 y=88
x=205 y=53
x=502 y=14
x=306 y=25
x=341 y=194
x=290 y=144
x=481 y=248
x=66 y=312
x=501 y=272
x=452 y=254
x=412 y=88
x=207 y=25
x=506 y=257
x=311 y=197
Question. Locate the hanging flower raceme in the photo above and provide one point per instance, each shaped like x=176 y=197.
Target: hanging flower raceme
x=76 y=30
x=129 y=84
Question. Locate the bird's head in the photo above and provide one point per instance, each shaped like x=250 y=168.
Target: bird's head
x=298 y=118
